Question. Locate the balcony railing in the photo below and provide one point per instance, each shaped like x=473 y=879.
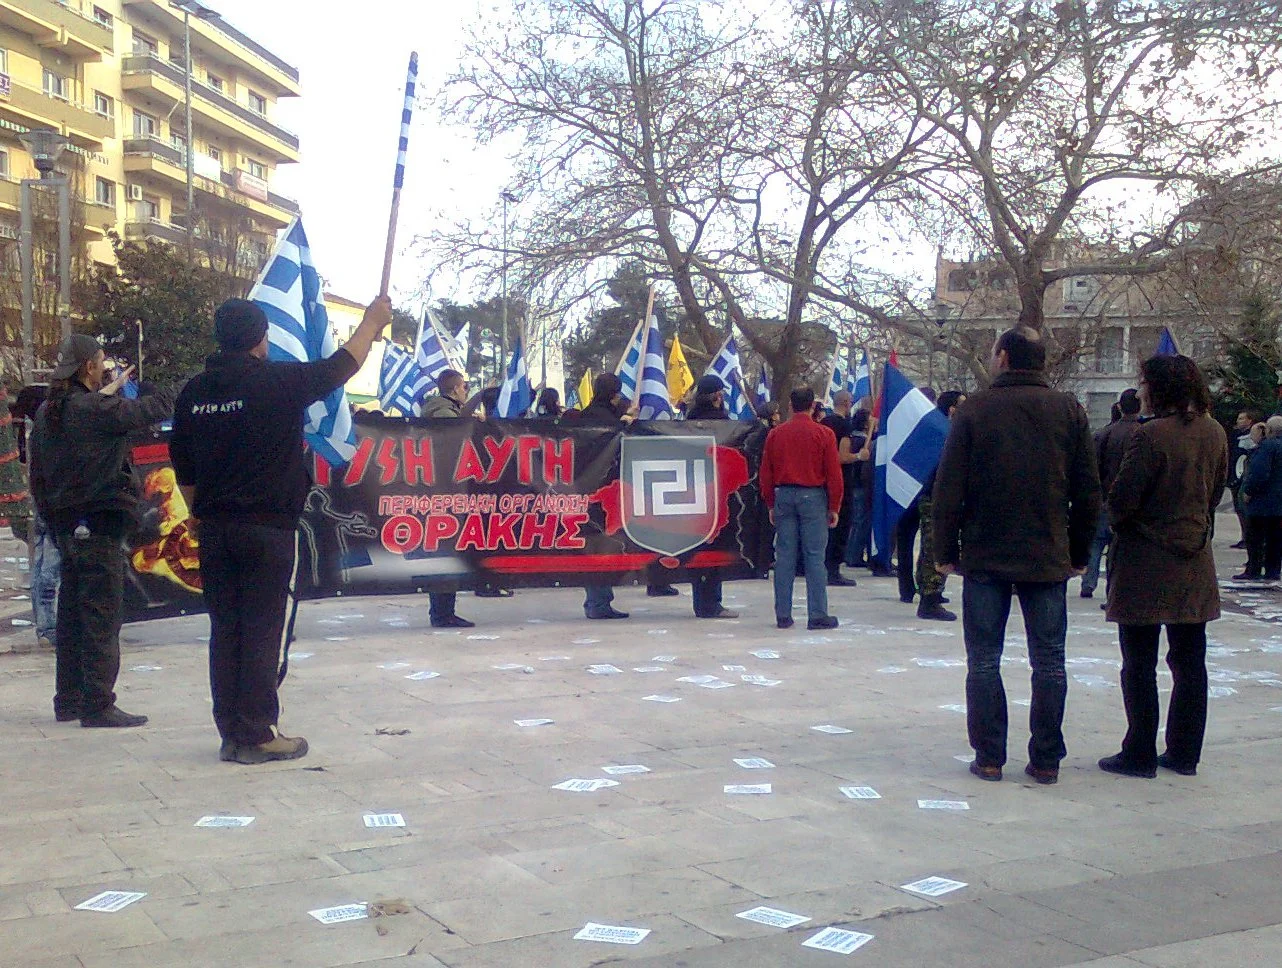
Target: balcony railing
x=250 y=45
x=156 y=148
x=154 y=228
x=68 y=14
x=224 y=186
x=151 y=64
x=34 y=102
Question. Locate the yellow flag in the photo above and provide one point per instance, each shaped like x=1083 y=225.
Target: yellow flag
x=585 y=389
x=679 y=379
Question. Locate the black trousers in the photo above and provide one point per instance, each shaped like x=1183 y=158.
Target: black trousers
x=441 y=605
x=905 y=560
x=248 y=571
x=88 y=628
x=1264 y=540
x=835 y=553
x=1186 y=718
x=706 y=592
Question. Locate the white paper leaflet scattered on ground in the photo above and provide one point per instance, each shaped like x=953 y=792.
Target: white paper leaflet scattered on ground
x=20 y=622
x=1022 y=702
x=584 y=786
x=720 y=635
x=773 y=917
x=765 y=654
x=943 y=804
x=604 y=669
x=747 y=789
x=224 y=821
x=384 y=820
x=329 y=621
x=483 y=638
x=841 y=941
x=661 y=698
x=663 y=658
x=612 y=934
x=1221 y=692
x=625 y=769
x=393 y=665
x=110 y=902
x=760 y=681
x=510 y=667
x=145 y=668
x=859 y=793
x=585 y=641
x=301 y=655
x=698 y=680
x=954 y=707
x=965 y=757
x=533 y=722
x=337 y=638
x=828 y=728
x=734 y=668
x=934 y=886
x=717 y=684
x=653 y=668
x=1094 y=682
x=939 y=663
x=656 y=631
x=343 y=912
x=891 y=670
x=554 y=658
x=755 y=763
x=353 y=615
x=425 y=674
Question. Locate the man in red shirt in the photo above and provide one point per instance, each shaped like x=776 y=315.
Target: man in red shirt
x=801 y=484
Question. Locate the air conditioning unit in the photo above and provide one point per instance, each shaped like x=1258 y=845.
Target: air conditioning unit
x=135 y=193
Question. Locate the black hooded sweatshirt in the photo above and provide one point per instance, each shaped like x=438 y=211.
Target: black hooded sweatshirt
x=238 y=435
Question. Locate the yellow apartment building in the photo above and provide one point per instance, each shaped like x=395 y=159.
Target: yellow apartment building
x=109 y=75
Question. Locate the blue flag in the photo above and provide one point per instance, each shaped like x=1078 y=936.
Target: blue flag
x=516 y=396
x=652 y=387
x=725 y=366
x=908 y=450
x=289 y=292
x=401 y=382
x=1166 y=345
x=863 y=382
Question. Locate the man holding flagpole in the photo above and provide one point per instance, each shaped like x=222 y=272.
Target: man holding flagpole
x=237 y=451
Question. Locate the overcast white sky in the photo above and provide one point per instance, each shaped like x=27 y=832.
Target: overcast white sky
x=352 y=65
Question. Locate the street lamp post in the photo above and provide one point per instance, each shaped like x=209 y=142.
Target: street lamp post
x=507 y=197
x=45 y=146
x=189 y=7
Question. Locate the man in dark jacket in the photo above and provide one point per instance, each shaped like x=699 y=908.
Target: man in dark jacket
x=446 y=404
x=83 y=489
x=1015 y=504
x=930 y=583
x=1262 y=491
x=839 y=423
x=604 y=410
x=709 y=404
x=237 y=450
x=1110 y=447
x=1237 y=452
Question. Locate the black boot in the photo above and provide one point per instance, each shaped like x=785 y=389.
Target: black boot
x=932 y=607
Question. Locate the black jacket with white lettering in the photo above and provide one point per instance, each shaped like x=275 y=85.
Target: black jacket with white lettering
x=238 y=435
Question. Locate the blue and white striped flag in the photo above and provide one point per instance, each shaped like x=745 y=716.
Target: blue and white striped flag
x=762 y=393
x=861 y=385
x=835 y=384
x=653 y=385
x=629 y=369
x=516 y=395
x=432 y=353
x=289 y=292
x=726 y=366
x=908 y=450
x=407 y=112
x=402 y=383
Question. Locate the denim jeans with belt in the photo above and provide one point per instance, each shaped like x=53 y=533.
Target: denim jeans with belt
x=986 y=607
x=801 y=534
x=46 y=574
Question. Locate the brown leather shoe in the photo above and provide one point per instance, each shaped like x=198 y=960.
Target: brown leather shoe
x=990 y=773
x=279 y=748
x=1043 y=776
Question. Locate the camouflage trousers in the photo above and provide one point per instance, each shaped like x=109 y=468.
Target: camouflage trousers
x=929 y=581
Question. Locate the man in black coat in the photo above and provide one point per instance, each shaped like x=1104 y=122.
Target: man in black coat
x=709 y=404
x=604 y=410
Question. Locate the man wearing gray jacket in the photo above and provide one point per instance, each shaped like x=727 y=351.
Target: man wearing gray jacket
x=447 y=403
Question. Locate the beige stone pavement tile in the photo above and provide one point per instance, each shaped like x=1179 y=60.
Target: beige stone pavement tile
x=24 y=940
x=669 y=938
x=568 y=906
x=71 y=856
x=1260 y=946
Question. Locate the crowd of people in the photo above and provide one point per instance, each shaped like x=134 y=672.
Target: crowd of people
x=1023 y=499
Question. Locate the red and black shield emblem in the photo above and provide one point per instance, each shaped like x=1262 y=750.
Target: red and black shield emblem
x=669 y=492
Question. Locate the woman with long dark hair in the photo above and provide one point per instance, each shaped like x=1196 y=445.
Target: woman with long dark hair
x=1162 y=507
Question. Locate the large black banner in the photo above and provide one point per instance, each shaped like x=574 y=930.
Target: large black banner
x=457 y=504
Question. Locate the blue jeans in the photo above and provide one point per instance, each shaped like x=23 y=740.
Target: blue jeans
x=986 y=607
x=596 y=599
x=860 y=529
x=1103 y=535
x=46 y=574
x=801 y=533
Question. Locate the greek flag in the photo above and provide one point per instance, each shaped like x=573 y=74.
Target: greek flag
x=762 y=393
x=835 y=385
x=908 y=451
x=629 y=369
x=653 y=384
x=861 y=382
x=402 y=383
x=726 y=366
x=515 y=396
x=289 y=292
x=431 y=352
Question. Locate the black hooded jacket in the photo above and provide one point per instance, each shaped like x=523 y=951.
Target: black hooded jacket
x=238 y=435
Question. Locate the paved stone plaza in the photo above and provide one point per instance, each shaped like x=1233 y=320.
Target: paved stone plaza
x=497 y=868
